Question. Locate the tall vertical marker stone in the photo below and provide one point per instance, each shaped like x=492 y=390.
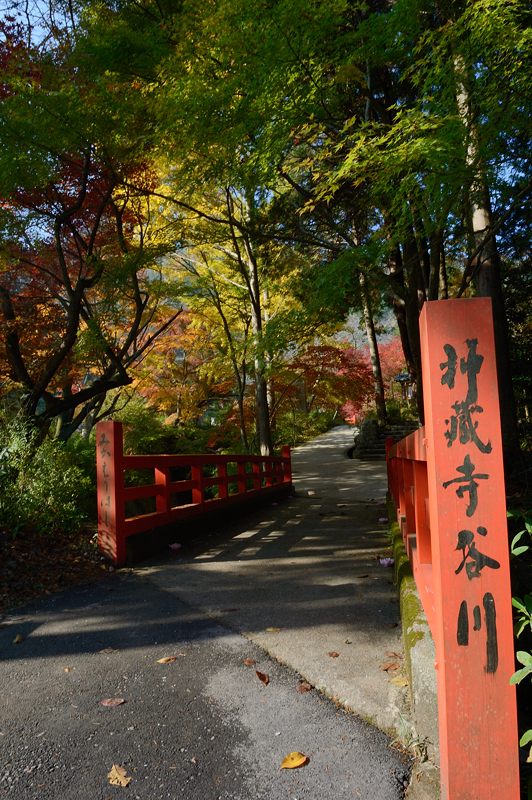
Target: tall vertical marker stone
x=470 y=554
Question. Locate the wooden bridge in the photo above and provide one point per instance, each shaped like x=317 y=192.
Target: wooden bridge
x=179 y=488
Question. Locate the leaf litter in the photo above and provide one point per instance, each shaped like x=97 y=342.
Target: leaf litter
x=294 y=760
x=118 y=776
x=112 y=702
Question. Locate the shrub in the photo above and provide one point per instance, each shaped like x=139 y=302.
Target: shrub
x=40 y=486
x=299 y=426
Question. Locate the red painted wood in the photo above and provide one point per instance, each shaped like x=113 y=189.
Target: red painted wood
x=223 y=489
x=113 y=525
x=477 y=709
x=460 y=561
x=110 y=491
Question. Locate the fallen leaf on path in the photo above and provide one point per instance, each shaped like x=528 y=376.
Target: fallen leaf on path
x=262 y=677
x=390 y=666
x=167 y=660
x=272 y=630
x=112 y=702
x=68 y=669
x=349 y=641
x=392 y=654
x=107 y=650
x=304 y=686
x=294 y=760
x=399 y=681
x=333 y=654
x=118 y=777
x=18 y=638
x=249 y=662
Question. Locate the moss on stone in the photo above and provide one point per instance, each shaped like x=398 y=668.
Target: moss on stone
x=411 y=609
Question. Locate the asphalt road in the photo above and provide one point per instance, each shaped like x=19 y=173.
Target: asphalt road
x=202 y=727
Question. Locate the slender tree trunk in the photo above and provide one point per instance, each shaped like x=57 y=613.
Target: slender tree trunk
x=487 y=268
x=414 y=300
x=239 y=371
x=249 y=270
x=242 y=422
x=268 y=356
x=395 y=265
x=262 y=411
x=380 y=401
x=444 y=284
x=436 y=239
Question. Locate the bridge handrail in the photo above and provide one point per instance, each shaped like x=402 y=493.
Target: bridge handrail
x=406 y=462
x=236 y=479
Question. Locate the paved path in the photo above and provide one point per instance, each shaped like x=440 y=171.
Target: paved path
x=310 y=567
x=204 y=727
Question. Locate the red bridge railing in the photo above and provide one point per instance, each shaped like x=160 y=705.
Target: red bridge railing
x=182 y=487
x=447 y=483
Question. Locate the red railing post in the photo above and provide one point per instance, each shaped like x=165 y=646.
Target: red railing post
x=421 y=493
x=221 y=471
x=110 y=490
x=472 y=625
x=162 y=498
x=196 y=473
x=287 y=464
x=257 y=474
x=241 y=477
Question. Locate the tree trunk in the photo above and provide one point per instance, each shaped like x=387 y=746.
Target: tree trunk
x=488 y=284
x=414 y=300
x=443 y=293
x=380 y=402
x=395 y=265
x=268 y=355
x=436 y=239
x=262 y=411
x=486 y=268
x=242 y=421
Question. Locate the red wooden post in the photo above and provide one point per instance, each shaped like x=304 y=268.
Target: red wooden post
x=110 y=490
x=472 y=597
x=222 y=486
x=162 y=481
x=257 y=474
x=421 y=493
x=408 y=527
x=196 y=473
x=241 y=477
x=287 y=464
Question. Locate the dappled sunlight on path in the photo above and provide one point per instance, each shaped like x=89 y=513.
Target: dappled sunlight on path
x=308 y=569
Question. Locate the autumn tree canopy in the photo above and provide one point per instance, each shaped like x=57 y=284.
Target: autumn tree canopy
x=339 y=156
